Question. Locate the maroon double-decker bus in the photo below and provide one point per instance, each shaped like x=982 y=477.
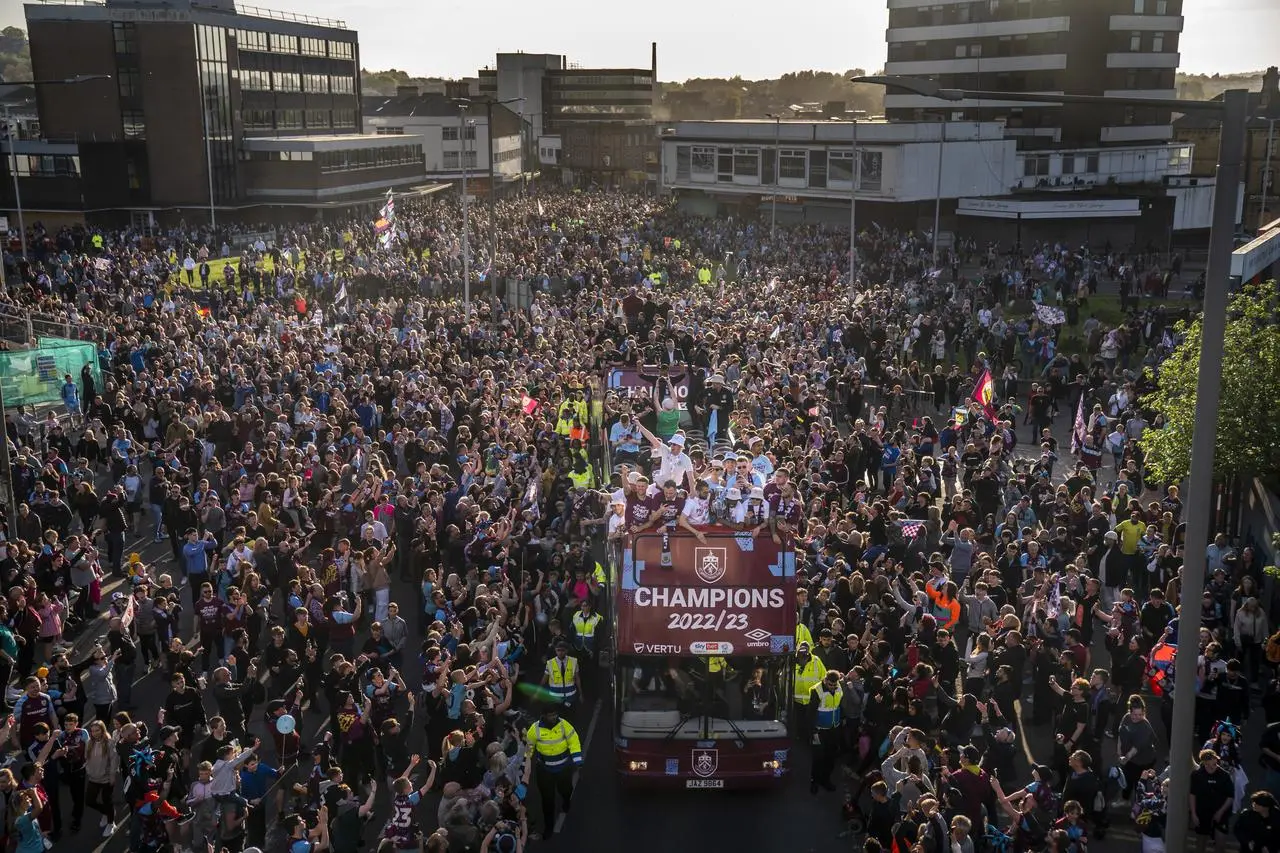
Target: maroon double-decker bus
x=704 y=639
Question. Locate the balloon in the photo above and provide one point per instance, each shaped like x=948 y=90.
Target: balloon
x=285 y=724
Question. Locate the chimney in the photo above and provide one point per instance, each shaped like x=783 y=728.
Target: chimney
x=1271 y=88
x=407 y=91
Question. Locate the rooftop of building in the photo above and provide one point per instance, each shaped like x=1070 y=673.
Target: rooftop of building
x=172 y=10
x=410 y=103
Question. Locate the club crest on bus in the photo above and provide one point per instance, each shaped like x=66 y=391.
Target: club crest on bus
x=710 y=564
x=706 y=761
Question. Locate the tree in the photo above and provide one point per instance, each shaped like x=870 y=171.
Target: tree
x=1248 y=441
x=15 y=55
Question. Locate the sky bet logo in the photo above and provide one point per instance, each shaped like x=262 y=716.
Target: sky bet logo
x=656 y=649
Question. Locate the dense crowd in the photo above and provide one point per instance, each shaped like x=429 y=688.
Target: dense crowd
x=387 y=523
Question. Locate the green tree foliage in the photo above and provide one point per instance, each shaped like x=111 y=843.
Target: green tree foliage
x=385 y=82
x=1248 y=432
x=1204 y=87
x=15 y=54
x=734 y=97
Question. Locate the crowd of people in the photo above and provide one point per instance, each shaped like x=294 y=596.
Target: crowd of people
x=387 y=519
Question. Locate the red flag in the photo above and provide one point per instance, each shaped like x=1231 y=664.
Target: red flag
x=984 y=394
x=528 y=404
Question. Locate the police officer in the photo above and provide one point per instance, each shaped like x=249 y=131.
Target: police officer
x=584 y=625
x=552 y=750
x=809 y=671
x=825 y=705
x=562 y=678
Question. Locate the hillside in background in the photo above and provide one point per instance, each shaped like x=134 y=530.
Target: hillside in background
x=1202 y=87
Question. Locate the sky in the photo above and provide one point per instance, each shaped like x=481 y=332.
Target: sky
x=703 y=38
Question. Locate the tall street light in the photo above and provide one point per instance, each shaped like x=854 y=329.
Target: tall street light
x=463 y=105
x=773 y=198
x=493 y=219
x=7 y=496
x=855 y=183
x=13 y=155
x=777 y=167
x=1233 y=110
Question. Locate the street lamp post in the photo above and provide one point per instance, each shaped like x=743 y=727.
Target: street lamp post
x=937 y=193
x=463 y=105
x=1233 y=109
x=855 y=184
x=493 y=217
x=13 y=157
x=777 y=164
x=7 y=497
x=1266 y=171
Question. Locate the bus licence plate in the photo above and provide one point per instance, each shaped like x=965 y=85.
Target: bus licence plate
x=704 y=783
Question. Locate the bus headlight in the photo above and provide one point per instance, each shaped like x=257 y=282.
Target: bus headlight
x=639 y=765
x=770 y=765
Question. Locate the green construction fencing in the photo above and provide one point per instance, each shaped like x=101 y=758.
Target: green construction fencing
x=34 y=376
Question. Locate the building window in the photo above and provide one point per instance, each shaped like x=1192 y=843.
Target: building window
x=470 y=159
x=449 y=133
x=342 y=85
x=1036 y=167
x=390 y=131
x=318 y=83
x=793 y=163
x=125 y=34
x=1157 y=43
x=703 y=160
x=317 y=119
x=975 y=51
x=451 y=159
x=961 y=51
x=341 y=50
x=1139 y=7
x=288 y=119
x=313 y=47
x=1129 y=114
x=251 y=40
x=724 y=165
x=135 y=125
x=746 y=162
x=1068 y=164
x=1135 y=42
x=1091 y=164
x=1162 y=7
x=344 y=118
x=129 y=82
x=469 y=132
x=284 y=44
x=286 y=81
x=255 y=81
x=257 y=119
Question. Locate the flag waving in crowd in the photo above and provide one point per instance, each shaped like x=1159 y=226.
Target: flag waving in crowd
x=385 y=226
x=984 y=394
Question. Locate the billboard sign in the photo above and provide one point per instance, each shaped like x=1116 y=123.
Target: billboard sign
x=735 y=594
x=639 y=381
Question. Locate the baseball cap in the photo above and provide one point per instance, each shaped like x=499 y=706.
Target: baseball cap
x=168 y=732
x=677 y=440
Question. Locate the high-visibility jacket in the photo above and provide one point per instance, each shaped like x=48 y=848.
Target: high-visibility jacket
x=715 y=663
x=586 y=479
x=584 y=628
x=807 y=678
x=562 y=677
x=828 y=708
x=554 y=747
x=945 y=610
x=601 y=574
x=803 y=635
